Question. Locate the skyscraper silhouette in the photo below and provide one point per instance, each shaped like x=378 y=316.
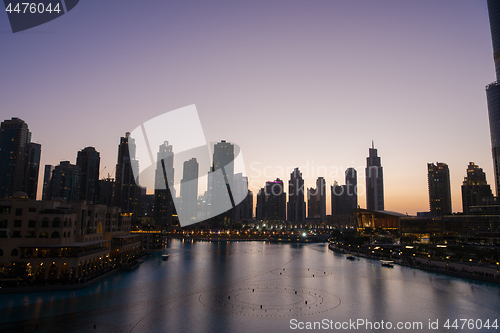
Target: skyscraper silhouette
x=374 y=181
x=438 y=178
x=19 y=159
x=296 y=205
x=493 y=90
x=88 y=159
x=220 y=177
x=345 y=198
x=474 y=188
x=165 y=153
x=189 y=189
x=32 y=169
x=65 y=182
x=316 y=201
x=47 y=175
x=164 y=191
x=127 y=190
x=274 y=201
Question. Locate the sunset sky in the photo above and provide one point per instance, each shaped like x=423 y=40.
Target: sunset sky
x=305 y=84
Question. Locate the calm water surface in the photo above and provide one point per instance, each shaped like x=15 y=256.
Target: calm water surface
x=252 y=287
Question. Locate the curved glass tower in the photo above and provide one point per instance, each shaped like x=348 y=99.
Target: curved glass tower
x=493 y=90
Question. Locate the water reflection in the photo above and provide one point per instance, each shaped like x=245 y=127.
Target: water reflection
x=221 y=286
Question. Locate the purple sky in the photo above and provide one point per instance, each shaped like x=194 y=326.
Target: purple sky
x=293 y=83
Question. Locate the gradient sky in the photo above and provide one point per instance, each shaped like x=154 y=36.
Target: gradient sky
x=293 y=83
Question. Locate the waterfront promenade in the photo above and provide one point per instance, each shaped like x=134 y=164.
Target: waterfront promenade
x=467 y=270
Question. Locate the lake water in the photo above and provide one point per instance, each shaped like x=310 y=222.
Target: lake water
x=257 y=287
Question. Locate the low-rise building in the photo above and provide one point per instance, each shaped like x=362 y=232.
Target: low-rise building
x=56 y=239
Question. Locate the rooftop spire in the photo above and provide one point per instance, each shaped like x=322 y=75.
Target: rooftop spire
x=373 y=145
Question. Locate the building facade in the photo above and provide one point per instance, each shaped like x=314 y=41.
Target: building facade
x=438 y=179
x=475 y=189
x=88 y=159
x=374 y=174
x=296 y=209
x=65 y=182
x=189 y=190
x=163 y=206
x=493 y=91
x=127 y=191
x=19 y=159
x=344 y=198
x=60 y=240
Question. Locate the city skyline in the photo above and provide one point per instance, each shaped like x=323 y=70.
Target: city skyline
x=334 y=90
x=224 y=154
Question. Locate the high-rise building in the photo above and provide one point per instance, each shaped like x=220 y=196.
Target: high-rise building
x=438 y=178
x=296 y=205
x=19 y=159
x=345 y=198
x=351 y=190
x=316 y=200
x=321 y=193
x=189 y=190
x=127 y=190
x=475 y=189
x=46 y=181
x=274 y=208
x=164 y=188
x=223 y=157
x=32 y=169
x=493 y=91
x=312 y=203
x=165 y=154
x=220 y=177
x=244 y=209
x=259 y=207
x=88 y=159
x=65 y=182
x=106 y=191
x=336 y=197
x=374 y=181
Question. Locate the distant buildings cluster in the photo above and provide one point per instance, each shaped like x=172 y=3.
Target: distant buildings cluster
x=273 y=208
x=82 y=182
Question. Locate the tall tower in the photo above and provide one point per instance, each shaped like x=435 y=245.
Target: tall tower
x=189 y=189
x=438 y=178
x=223 y=156
x=312 y=203
x=275 y=201
x=127 y=190
x=296 y=204
x=474 y=188
x=316 y=200
x=19 y=159
x=321 y=193
x=163 y=202
x=47 y=175
x=88 y=159
x=220 y=177
x=243 y=210
x=260 y=206
x=493 y=91
x=32 y=169
x=65 y=182
x=165 y=153
x=374 y=181
x=350 y=190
